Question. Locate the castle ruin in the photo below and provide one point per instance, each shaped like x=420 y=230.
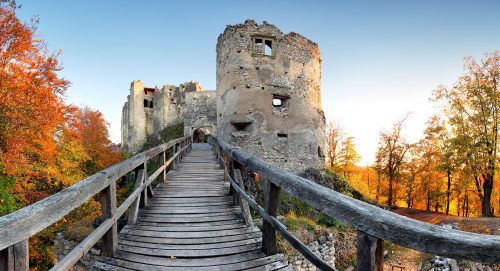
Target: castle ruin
x=148 y=111
x=267 y=100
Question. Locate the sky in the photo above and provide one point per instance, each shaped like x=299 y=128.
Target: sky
x=380 y=59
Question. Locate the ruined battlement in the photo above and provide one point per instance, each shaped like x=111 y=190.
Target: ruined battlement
x=268 y=99
x=148 y=111
x=269 y=95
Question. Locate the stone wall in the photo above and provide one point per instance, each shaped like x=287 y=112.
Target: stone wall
x=148 y=111
x=323 y=247
x=268 y=102
x=200 y=111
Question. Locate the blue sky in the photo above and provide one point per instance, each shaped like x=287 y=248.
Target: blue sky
x=381 y=59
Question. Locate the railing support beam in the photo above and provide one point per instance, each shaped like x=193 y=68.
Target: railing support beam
x=134 y=208
x=245 y=209
x=271 y=200
x=15 y=258
x=164 y=157
x=108 y=207
x=143 y=202
x=370 y=253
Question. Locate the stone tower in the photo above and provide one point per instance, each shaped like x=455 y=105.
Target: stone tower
x=268 y=95
x=137 y=116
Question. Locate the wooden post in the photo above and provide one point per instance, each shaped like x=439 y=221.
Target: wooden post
x=15 y=258
x=144 y=193
x=134 y=208
x=245 y=210
x=179 y=148
x=108 y=207
x=174 y=161
x=370 y=253
x=164 y=155
x=271 y=201
x=230 y=171
x=150 y=191
x=4 y=258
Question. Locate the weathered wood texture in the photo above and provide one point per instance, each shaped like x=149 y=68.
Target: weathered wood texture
x=277 y=225
x=108 y=206
x=370 y=219
x=271 y=201
x=28 y=221
x=370 y=253
x=245 y=210
x=191 y=224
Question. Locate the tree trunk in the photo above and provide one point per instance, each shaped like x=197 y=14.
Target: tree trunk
x=448 y=193
x=378 y=187
x=389 y=196
x=487 y=190
x=428 y=208
x=466 y=205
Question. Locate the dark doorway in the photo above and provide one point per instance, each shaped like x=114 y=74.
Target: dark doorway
x=200 y=135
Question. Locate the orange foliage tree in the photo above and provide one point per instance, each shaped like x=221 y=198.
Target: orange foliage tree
x=45 y=145
x=93 y=130
x=31 y=105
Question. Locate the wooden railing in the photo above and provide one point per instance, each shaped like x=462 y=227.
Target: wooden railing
x=373 y=223
x=16 y=228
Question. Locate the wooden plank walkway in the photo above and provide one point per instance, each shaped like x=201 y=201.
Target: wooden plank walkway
x=191 y=224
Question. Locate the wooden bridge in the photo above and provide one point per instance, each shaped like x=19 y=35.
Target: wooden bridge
x=198 y=217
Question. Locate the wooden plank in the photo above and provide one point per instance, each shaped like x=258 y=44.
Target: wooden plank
x=184 y=241
x=143 y=199
x=134 y=209
x=190 y=225
x=150 y=191
x=375 y=221
x=370 y=253
x=6 y=259
x=245 y=210
x=157 y=204
x=23 y=223
x=271 y=201
x=82 y=248
x=195 y=246
x=292 y=240
x=186 y=219
x=189 y=253
x=210 y=261
x=15 y=258
x=189 y=210
x=20 y=253
x=161 y=227
x=188 y=234
x=255 y=263
x=108 y=207
x=198 y=224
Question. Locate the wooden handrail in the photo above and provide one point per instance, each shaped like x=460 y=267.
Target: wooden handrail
x=19 y=226
x=373 y=223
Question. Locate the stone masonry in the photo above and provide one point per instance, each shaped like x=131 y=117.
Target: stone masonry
x=149 y=110
x=267 y=100
x=268 y=95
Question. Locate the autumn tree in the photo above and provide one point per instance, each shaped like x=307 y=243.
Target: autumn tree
x=334 y=137
x=391 y=151
x=348 y=156
x=93 y=131
x=410 y=173
x=31 y=105
x=472 y=106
